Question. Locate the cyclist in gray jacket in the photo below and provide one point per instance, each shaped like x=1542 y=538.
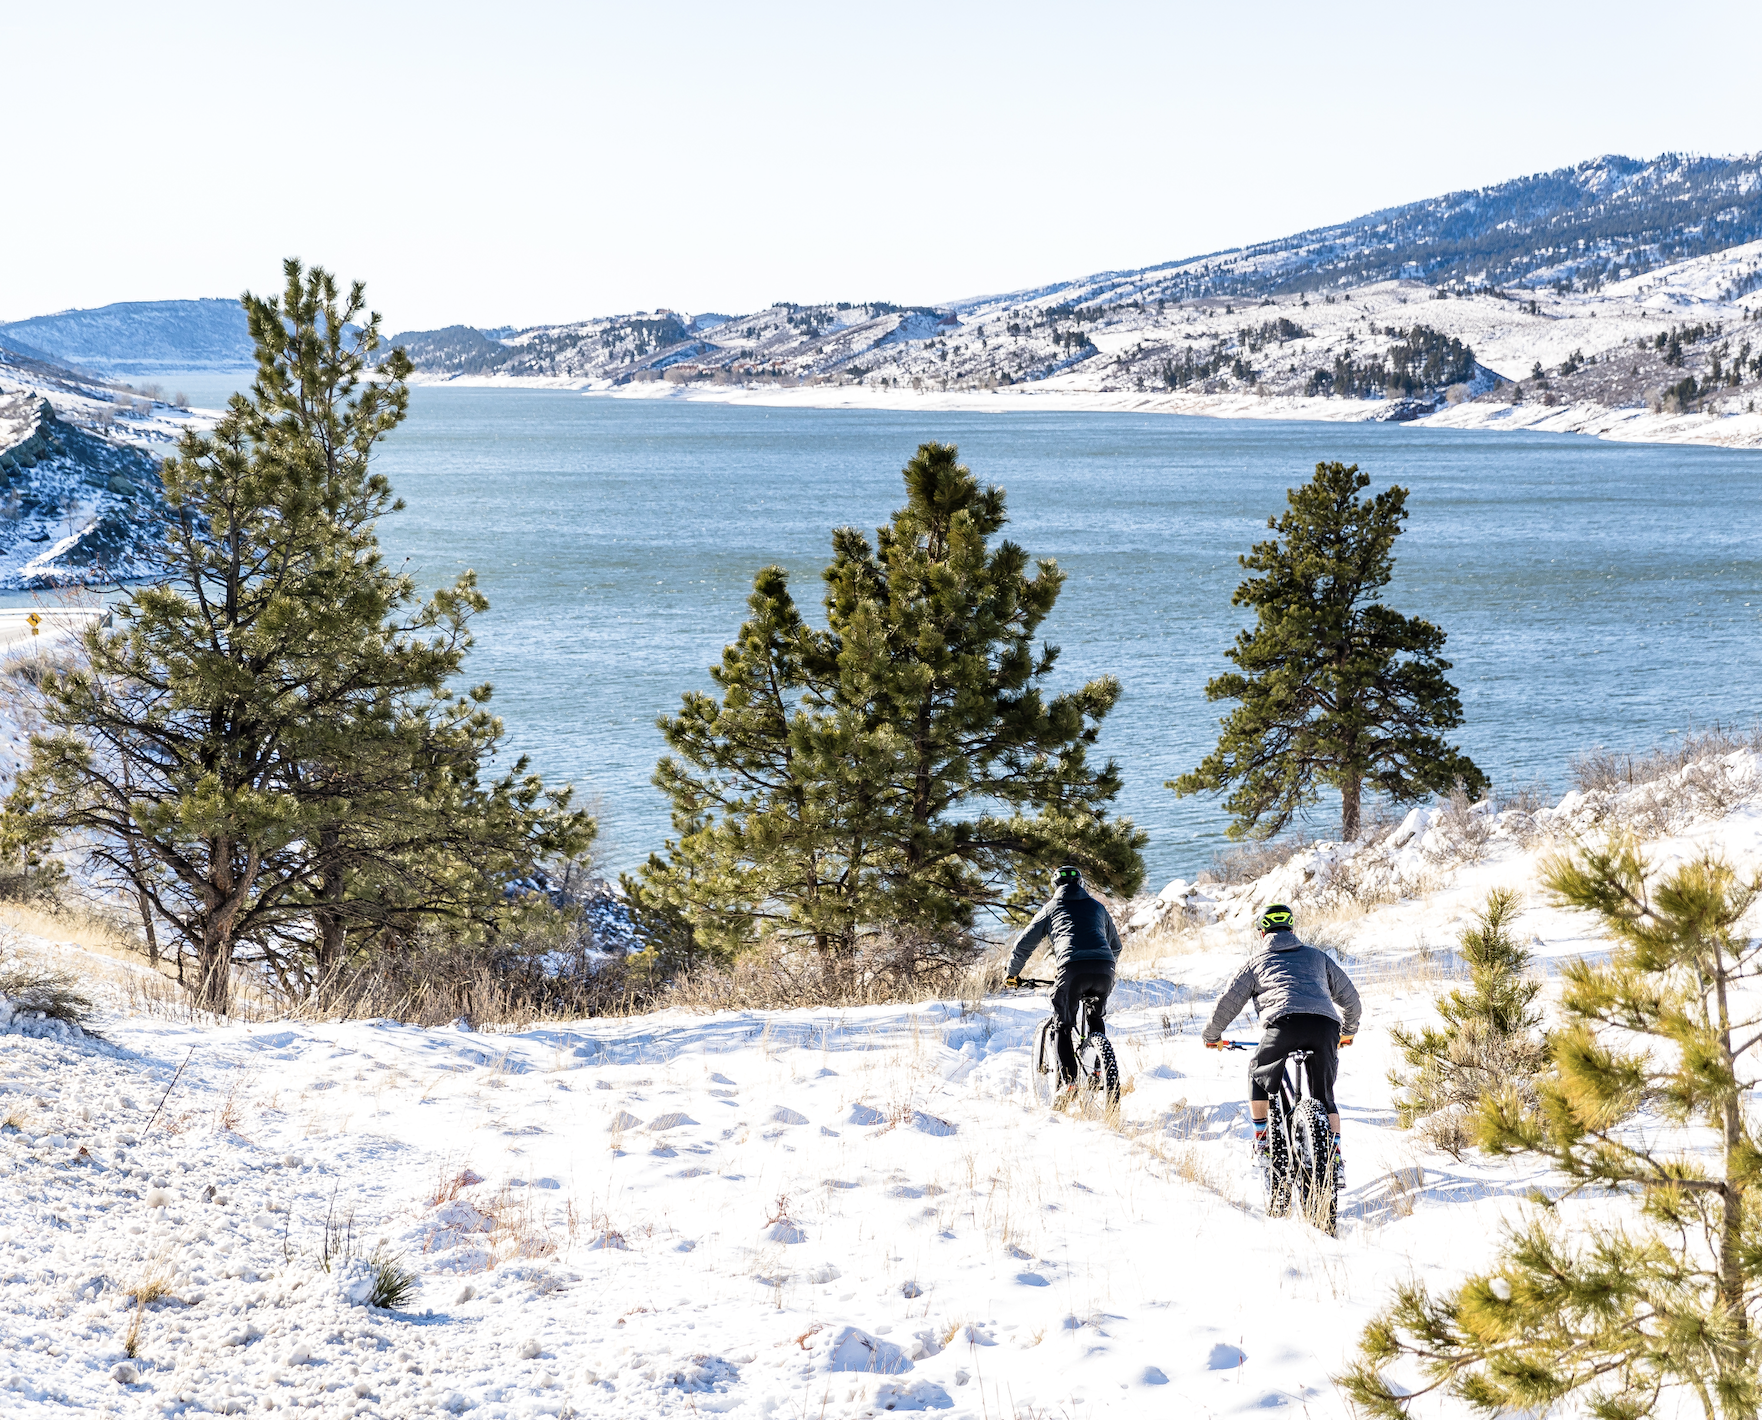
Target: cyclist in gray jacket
x=1084 y=946
x=1306 y=1003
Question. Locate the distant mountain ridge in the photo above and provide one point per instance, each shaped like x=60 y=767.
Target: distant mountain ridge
x=1583 y=224
x=139 y=337
x=1575 y=229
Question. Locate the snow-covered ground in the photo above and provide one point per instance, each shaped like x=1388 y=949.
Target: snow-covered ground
x=819 y=1213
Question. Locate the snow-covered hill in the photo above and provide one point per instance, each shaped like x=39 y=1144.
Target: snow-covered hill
x=80 y=494
x=1670 y=355
x=831 y=1213
x=1616 y=298
x=140 y=338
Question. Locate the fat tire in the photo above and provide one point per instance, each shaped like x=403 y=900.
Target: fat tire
x=1278 y=1161
x=1315 y=1167
x=1043 y=1072
x=1100 y=1071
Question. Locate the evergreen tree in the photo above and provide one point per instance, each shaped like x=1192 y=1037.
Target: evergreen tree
x=1335 y=688
x=977 y=785
x=266 y=748
x=903 y=767
x=767 y=840
x=1653 y=1305
x=1488 y=1040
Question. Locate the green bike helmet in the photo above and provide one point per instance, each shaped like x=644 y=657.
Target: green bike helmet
x=1277 y=918
x=1068 y=874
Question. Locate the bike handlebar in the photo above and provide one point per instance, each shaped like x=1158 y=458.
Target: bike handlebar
x=1031 y=981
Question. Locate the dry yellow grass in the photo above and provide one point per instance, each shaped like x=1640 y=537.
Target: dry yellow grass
x=112 y=964
x=89 y=931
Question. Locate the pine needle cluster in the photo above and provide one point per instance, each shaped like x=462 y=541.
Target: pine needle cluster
x=1647 y=1102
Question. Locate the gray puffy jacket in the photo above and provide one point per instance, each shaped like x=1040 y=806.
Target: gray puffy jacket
x=1075 y=928
x=1286 y=977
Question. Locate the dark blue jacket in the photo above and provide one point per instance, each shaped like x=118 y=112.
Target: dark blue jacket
x=1075 y=927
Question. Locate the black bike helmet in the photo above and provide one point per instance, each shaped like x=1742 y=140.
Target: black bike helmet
x=1277 y=918
x=1069 y=873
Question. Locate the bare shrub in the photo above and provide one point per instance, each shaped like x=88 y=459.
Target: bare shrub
x=1603 y=769
x=1448 y=1131
x=513 y=984
x=1659 y=790
x=1250 y=861
x=900 y=965
x=1467 y=831
x=1530 y=797
x=31 y=986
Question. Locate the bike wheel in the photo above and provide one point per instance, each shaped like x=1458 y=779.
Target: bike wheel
x=1278 y=1161
x=1098 y=1070
x=1315 y=1166
x=1043 y=1071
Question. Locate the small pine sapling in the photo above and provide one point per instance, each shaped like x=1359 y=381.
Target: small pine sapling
x=1645 y=1308
x=1488 y=1040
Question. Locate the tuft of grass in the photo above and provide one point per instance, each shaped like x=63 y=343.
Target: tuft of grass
x=394 y=1284
x=154 y=1286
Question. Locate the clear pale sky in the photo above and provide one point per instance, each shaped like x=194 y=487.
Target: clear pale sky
x=519 y=163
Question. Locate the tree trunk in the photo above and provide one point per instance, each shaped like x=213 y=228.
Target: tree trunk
x=1731 y=1126
x=223 y=896
x=1349 y=792
x=214 y=989
x=331 y=931
x=135 y=870
x=146 y=906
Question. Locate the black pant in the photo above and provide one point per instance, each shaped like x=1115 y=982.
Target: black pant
x=1319 y=1035
x=1077 y=980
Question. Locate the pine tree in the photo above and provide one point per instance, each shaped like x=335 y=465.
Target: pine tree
x=1488 y=1040
x=1336 y=689
x=1653 y=1305
x=767 y=842
x=266 y=748
x=978 y=785
x=903 y=768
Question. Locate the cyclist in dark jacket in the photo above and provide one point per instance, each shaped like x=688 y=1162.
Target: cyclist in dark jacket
x=1306 y=1003
x=1084 y=946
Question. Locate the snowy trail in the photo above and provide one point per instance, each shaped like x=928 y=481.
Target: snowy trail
x=960 y=1248
x=804 y=1213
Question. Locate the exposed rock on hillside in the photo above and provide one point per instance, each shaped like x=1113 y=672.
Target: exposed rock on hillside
x=75 y=508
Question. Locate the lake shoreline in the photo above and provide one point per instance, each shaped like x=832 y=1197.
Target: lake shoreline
x=1629 y=425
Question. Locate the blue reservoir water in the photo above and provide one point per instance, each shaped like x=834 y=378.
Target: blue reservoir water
x=1593 y=592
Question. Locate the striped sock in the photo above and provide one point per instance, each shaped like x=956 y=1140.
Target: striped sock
x=1260 y=1144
